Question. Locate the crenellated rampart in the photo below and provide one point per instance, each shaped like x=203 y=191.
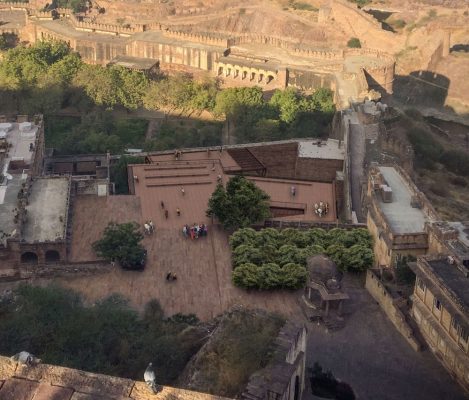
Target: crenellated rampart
x=205 y=38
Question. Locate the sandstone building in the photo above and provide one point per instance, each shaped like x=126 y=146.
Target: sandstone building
x=397 y=214
x=440 y=308
x=313 y=168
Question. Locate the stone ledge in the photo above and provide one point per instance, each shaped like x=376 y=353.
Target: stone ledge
x=46 y=382
x=7 y=368
x=80 y=381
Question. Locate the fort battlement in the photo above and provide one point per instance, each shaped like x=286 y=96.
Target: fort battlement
x=205 y=38
x=105 y=28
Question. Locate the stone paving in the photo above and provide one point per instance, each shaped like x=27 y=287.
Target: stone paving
x=375 y=359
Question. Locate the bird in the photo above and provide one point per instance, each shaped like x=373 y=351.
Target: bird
x=26 y=358
x=150 y=379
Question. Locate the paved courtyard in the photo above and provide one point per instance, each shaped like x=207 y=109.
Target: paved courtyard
x=375 y=359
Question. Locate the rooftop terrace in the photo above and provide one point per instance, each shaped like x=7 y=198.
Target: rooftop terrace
x=330 y=149
x=402 y=217
x=47 y=210
x=197 y=172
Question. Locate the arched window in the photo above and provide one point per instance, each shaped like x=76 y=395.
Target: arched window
x=29 y=257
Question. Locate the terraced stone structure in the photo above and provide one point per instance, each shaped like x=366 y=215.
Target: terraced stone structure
x=237 y=59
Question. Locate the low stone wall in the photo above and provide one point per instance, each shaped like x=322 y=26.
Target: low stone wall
x=390 y=306
x=25 y=272
x=49 y=381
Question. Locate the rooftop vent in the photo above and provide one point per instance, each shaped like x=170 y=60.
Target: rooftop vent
x=415 y=202
x=386 y=193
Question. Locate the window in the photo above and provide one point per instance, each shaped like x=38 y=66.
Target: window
x=421 y=285
x=437 y=304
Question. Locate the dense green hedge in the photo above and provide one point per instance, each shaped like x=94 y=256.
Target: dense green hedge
x=273 y=259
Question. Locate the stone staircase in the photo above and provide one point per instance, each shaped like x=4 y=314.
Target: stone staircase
x=246 y=160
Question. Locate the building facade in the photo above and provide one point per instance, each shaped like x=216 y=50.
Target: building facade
x=440 y=308
x=397 y=214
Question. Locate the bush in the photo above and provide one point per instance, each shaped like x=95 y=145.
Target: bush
x=272 y=259
x=354 y=43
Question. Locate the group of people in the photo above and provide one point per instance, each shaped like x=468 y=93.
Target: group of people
x=165 y=210
x=321 y=209
x=149 y=227
x=195 y=231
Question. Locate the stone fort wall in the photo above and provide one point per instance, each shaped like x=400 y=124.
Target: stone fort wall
x=100 y=43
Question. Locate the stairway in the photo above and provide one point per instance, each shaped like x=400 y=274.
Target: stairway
x=247 y=161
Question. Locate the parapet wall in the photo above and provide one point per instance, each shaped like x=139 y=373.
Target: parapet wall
x=304 y=51
x=391 y=307
x=49 y=381
x=205 y=38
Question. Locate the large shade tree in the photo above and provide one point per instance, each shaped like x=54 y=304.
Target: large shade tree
x=240 y=205
x=121 y=243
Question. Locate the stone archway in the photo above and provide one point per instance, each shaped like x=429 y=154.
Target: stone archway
x=52 y=256
x=29 y=257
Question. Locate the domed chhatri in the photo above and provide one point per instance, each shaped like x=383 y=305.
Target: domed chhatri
x=323 y=270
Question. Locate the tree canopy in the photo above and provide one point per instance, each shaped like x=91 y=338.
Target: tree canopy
x=107 y=337
x=240 y=205
x=121 y=243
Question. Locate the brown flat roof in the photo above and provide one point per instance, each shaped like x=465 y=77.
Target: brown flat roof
x=197 y=173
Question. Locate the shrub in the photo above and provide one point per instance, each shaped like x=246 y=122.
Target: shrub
x=246 y=276
x=293 y=276
x=354 y=43
x=271 y=259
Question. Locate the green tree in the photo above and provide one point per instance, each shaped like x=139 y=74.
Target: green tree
x=230 y=101
x=131 y=87
x=121 y=243
x=100 y=84
x=354 y=43
x=287 y=102
x=242 y=204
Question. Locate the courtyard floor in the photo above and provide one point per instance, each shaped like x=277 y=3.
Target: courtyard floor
x=373 y=357
x=203 y=285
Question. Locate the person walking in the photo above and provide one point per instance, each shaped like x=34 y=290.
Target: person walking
x=162 y=204
x=183 y=192
x=178 y=212
x=166 y=214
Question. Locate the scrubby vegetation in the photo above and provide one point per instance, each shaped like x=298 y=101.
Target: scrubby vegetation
x=108 y=337
x=272 y=259
x=241 y=345
x=354 y=43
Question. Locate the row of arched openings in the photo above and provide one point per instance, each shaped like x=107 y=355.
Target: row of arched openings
x=30 y=257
